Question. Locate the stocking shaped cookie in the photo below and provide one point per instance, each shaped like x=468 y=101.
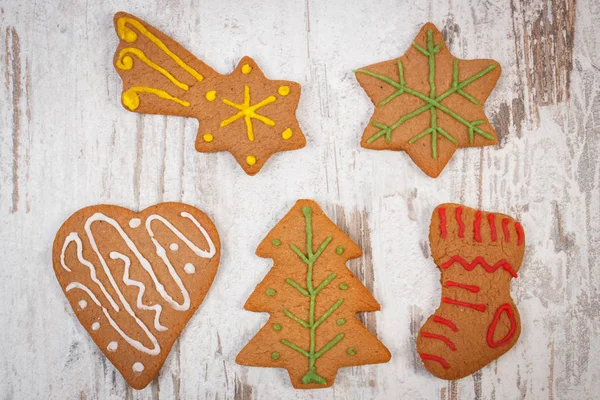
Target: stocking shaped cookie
x=135 y=279
x=478 y=254
x=243 y=112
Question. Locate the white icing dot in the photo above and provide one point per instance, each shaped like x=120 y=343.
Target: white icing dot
x=137 y=367
x=189 y=268
x=112 y=346
x=95 y=326
x=82 y=304
x=174 y=246
x=134 y=222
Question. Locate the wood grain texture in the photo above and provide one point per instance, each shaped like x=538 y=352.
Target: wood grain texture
x=66 y=143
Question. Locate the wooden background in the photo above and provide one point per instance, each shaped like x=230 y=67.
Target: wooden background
x=66 y=143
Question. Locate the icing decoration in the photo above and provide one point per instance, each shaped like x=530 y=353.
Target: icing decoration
x=82 y=304
x=441 y=338
x=248 y=112
x=251 y=160
x=480 y=261
x=437 y=359
x=276 y=242
x=519 y=229
x=477 y=226
x=137 y=367
x=189 y=268
x=125 y=62
x=470 y=288
x=174 y=246
x=339 y=250
x=461 y=225
x=505 y=229
x=283 y=90
x=134 y=222
x=286 y=134
x=131 y=97
x=246 y=69
x=505 y=308
x=343 y=286
x=277 y=327
x=95 y=326
x=351 y=351
x=275 y=355
x=211 y=95
x=112 y=347
x=207 y=137
x=478 y=307
x=270 y=292
x=492 y=226
x=442 y=212
x=446 y=322
x=341 y=321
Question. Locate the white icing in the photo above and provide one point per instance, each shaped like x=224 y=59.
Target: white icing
x=174 y=247
x=137 y=367
x=112 y=347
x=82 y=304
x=95 y=326
x=189 y=268
x=134 y=222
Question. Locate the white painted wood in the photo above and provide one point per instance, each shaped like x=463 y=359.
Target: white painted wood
x=67 y=143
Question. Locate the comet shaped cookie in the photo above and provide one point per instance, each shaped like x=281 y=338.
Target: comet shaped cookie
x=243 y=112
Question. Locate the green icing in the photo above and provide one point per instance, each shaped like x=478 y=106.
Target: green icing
x=310 y=258
x=339 y=250
x=343 y=286
x=276 y=242
x=275 y=355
x=270 y=292
x=341 y=321
x=433 y=102
x=277 y=327
x=351 y=351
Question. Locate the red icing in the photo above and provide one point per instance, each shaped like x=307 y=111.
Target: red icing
x=492 y=226
x=461 y=226
x=470 y=288
x=446 y=322
x=431 y=357
x=477 y=226
x=440 y=337
x=505 y=228
x=442 y=212
x=492 y=329
x=519 y=229
x=478 y=307
x=480 y=261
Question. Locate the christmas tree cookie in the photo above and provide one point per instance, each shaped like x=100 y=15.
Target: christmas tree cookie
x=313 y=299
x=478 y=254
x=244 y=113
x=429 y=103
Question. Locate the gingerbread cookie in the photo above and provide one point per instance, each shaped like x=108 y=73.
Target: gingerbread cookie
x=478 y=254
x=135 y=279
x=313 y=299
x=243 y=112
x=429 y=103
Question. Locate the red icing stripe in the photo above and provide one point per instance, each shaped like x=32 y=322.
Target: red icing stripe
x=461 y=226
x=478 y=307
x=446 y=322
x=431 y=357
x=519 y=229
x=477 y=226
x=492 y=226
x=480 y=261
x=470 y=288
x=440 y=337
x=442 y=212
x=505 y=228
x=492 y=329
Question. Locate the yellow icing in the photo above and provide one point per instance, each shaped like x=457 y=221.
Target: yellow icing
x=207 y=137
x=246 y=69
x=128 y=35
x=125 y=62
x=286 y=134
x=283 y=90
x=251 y=160
x=131 y=97
x=248 y=112
x=211 y=95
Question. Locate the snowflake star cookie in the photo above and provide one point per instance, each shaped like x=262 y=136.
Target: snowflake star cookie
x=429 y=103
x=135 y=279
x=244 y=113
x=313 y=299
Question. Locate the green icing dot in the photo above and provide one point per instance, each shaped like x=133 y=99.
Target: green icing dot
x=277 y=327
x=275 y=355
x=270 y=292
x=341 y=321
x=351 y=351
x=276 y=242
x=343 y=286
x=339 y=250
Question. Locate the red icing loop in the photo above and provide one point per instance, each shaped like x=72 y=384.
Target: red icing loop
x=461 y=225
x=492 y=329
x=442 y=212
x=477 y=226
x=446 y=322
x=492 y=226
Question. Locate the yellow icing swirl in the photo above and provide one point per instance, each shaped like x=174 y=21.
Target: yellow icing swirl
x=125 y=62
x=131 y=97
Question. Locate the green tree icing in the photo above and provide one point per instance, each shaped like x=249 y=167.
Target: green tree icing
x=433 y=101
x=311 y=292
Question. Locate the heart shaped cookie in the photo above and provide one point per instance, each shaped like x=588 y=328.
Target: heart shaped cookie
x=135 y=279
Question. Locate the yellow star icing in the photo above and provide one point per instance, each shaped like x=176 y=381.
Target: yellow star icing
x=248 y=112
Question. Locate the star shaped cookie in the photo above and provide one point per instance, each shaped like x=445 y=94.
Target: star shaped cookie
x=429 y=103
